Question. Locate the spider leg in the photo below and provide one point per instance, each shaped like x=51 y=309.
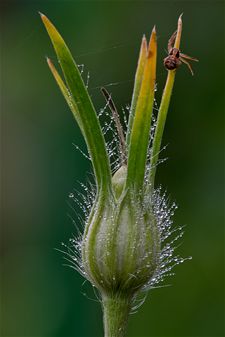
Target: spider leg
x=188 y=64
x=171 y=41
x=188 y=57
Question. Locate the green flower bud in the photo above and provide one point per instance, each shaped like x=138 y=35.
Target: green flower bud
x=126 y=246
x=121 y=245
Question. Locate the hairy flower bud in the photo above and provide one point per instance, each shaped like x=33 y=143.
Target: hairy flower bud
x=121 y=245
x=128 y=241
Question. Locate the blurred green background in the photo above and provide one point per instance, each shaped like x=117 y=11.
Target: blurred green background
x=40 y=166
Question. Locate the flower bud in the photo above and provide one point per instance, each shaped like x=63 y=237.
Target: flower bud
x=121 y=245
x=126 y=246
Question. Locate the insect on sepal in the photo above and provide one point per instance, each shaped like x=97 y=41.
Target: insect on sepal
x=175 y=58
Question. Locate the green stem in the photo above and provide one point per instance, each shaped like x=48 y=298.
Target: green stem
x=116 y=311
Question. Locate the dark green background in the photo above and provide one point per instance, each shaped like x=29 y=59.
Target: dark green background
x=40 y=166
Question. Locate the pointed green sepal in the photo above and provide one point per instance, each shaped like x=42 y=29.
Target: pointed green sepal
x=81 y=106
x=137 y=85
x=137 y=152
x=163 y=109
x=66 y=93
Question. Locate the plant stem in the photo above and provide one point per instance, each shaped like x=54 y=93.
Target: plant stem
x=116 y=310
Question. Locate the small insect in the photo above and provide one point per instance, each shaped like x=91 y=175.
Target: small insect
x=175 y=58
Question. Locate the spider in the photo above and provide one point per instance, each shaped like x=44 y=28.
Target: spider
x=175 y=58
